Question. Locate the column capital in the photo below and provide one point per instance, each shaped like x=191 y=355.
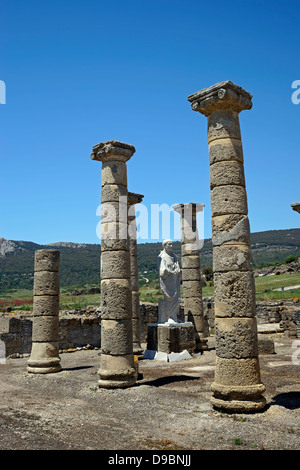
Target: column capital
x=112 y=150
x=195 y=206
x=134 y=198
x=222 y=95
x=296 y=206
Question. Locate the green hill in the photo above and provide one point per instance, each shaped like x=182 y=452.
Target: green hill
x=80 y=263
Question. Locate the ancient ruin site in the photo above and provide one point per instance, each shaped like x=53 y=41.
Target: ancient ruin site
x=175 y=327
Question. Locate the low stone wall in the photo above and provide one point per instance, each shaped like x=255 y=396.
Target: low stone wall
x=286 y=313
x=82 y=329
x=74 y=332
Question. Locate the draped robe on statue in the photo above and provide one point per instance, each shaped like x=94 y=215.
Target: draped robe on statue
x=169 y=281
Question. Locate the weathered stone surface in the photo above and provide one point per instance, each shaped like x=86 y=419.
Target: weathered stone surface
x=192 y=289
x=232 y=258
x=237 y=374
x=116 y=337
x=221 y=150
x=45 y=329
x=47 y=260
x=230 y=228
x=236 y=337
x=234 y=294
x=115 y=265
x=237 y=368
x=116 y=299
x=222 y=95
x=171 y=338
x=113 y=193
x=45 y=353
x=116 y=302
x=114 y=173
x=46 y=305
x=228 y=200
x=113 y=151
x=113 y=212
x=116 y=366
x=193 y=306
x=222 y=124
x=114 y=236
x=191 y=274
x=188 y=262
x=227 y=173
x=46 y=283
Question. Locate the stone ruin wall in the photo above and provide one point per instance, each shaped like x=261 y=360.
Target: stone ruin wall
x=82 y=329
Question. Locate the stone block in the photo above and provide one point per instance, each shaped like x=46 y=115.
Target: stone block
x=223 y=123
x=234 y=294
x=228 y=200
x=191 y=274
x=237 y=373
x=188 y=262
x=114 y=173
x=45 y=305
x=192 y=289
x=175 y=338
x=230 y=228
x=116 y=337
x=116 y=299
x=227 y=173
x=114 y=236
x=232 y=258
x=47 y=260
x=236 y=337
x=113 y=192
x=115 y=265
x=46 y=283
x=45 y=329
x=225 y=149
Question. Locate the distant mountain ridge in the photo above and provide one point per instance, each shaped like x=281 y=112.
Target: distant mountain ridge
x=80 y=262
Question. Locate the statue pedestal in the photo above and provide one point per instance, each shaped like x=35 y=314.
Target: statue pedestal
x=170 y=341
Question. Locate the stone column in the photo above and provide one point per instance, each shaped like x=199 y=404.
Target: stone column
x=44 y=356
x=134 y=198
x=237 y=385
x=117 y=361
x=191 y=270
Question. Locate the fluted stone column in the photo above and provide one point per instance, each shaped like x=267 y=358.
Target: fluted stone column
x=117 y=361
x=44 y=356
x=191 y=270
x=237 y=385
x=134 y=198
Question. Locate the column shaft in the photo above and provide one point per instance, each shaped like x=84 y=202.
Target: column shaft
x=134 y=198
x=116 y=362
x=44 y=356
x=191 y=271
x=237 y=385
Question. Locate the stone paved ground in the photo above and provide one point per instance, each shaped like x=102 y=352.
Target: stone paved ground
x=169 y=408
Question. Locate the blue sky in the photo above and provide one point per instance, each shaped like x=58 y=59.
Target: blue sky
x=81 y=72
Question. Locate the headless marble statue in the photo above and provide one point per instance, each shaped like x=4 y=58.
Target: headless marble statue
x=169 y=280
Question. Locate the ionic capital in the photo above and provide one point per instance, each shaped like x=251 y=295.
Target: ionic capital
x=112 y=150
x=223 y=95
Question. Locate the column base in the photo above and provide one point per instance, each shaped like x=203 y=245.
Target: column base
x=44 y=358
x=44 y=369
x=117 y=378
x=238 y=398
x=239 y=406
